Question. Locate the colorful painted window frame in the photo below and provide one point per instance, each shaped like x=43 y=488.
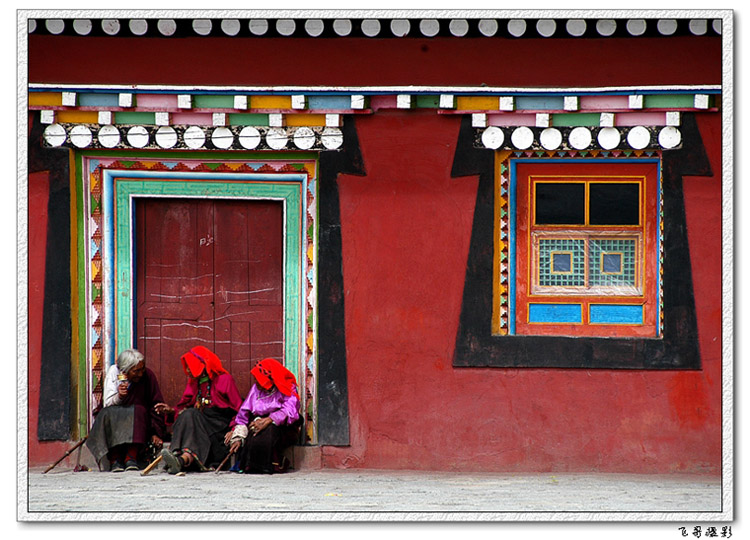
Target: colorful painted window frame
x=106 y=186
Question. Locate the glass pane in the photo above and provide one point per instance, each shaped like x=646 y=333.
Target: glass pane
x=560 y=204
x=614 y=204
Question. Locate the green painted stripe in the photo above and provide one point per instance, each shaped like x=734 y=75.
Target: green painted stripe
x=427 y=102
x=202 y=101
x=667 y=101
x=82 y=326
x=127 y=117
x=248 y=119
x=575 y=120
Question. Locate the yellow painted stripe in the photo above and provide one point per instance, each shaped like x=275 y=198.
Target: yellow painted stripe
x=45 y=98
x=78 y=117
x=477 y=103
x=305 y=119
x=271 y=102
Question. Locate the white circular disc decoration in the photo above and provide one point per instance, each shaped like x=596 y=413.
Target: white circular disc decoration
x=522 y=137
x=55 y=135
x=55 y=26
x=699 y=27
x=314 y=27
x=166 y=137
x=546 y=27
x=608 y=138
x=488 y=27
x=109 y=136
x=230 y=27
x=576 y=27
x=82 y=26
x=194 y=137
x=639 y=137
x=32 y=26
x=81 y=136
x=166 y=27
x=249 y=137
x=517 y=27
x=304 y=138
x=111 y=26
x=343 y=27
x=138 y=26
x=258 y=27
x=276 y=138
x=580 y=138
x=459 y=27
x=667 y=27
x=400 y=27
x=222 y=137
x=606 y=27
x=636 y=27
x=429 y=27
x=371 y=27
x=670 y=137
x=332 y=138
x=551 y=138
x=716 y=25
x=137 y=136
x=493 y=137
x=286 y=27
x=202 y=27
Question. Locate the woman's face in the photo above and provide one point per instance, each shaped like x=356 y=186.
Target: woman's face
x=136 y=372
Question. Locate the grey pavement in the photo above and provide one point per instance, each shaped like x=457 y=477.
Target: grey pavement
x=353 y=494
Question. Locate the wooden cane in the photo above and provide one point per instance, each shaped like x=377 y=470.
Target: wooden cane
x=223 y=462
x=152 y=465
x=79 y=443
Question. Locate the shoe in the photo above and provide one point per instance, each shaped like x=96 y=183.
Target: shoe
x=117 y=467
x=173 y=462
x=131 y=465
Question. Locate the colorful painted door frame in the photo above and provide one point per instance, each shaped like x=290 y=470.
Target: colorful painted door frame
x=106 y=189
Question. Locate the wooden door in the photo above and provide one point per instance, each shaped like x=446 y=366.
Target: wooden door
x=209 y=272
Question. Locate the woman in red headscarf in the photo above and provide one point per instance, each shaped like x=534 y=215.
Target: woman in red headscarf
x=204 y=413
x=268 y=420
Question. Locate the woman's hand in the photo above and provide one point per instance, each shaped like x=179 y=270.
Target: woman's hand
x=162 y=408
x=228 y=437
x=259 y=424
x=156 y=441
x=235 y=446
x=122 y=389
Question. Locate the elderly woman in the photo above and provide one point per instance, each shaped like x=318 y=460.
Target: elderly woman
x=128 y=421
x=204 y=413
x=268 y=420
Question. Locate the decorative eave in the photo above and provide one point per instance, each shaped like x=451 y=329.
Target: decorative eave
x=309 y=118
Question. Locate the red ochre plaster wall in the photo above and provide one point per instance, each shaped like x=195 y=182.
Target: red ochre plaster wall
x=405 y=228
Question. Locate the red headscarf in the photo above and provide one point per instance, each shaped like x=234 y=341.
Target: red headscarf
x=270 y=371
x=200 y=357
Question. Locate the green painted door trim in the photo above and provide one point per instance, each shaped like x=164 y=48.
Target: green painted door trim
x=126 y=188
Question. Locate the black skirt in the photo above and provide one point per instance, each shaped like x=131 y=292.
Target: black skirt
x=261 y=451
x=201 y=432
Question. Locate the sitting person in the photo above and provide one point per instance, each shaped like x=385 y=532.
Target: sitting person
x=271 y=414
x=204 y=413
x=128 y=421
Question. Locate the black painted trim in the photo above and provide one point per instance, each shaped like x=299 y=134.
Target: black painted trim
x=55 y=384
x=476 y=346
x=333 y=393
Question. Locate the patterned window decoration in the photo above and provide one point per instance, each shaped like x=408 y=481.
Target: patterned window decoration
x=580 y=254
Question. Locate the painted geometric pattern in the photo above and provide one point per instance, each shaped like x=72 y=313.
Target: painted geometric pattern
x=612 y=262
x=566 y=274
x=97 y=312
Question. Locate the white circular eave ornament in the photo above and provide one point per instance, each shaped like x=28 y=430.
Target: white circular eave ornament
x=230 y=27
x=670 y=137
x=304 y=138
x=314 y=27
x=606 y=27
x=166 y=27
x=576 y=27
x=608 y=138
x=517 y=27
x=639 y=137
x=249 y=137
x=371 y=27
x=546 y=27
x=332 y=138
x=522 y=137
x=138 y=26
x=580 y=138
x=55 y=135
x=400 y=27
x=202 y=27
x=137 y=136
x=551 y=138
x=222 y=137
x=166 y=137
x=194 y=137
x=55 y=26
x=667 y=27
x=429 y=27
x=286 y=27
x=342 y=27
x=109 y=136
x=488 y=27
x=258 y=27
x=459 y=27
x=82 y=26
x=636 y=27
x=81 y=136
x=111 y=26
x=276 y=138
x=493 y=137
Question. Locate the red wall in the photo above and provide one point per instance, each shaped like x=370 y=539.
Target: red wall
x=405 y=231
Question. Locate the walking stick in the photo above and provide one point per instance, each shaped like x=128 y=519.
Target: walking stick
x=223 y=462
x=152 y=465
x=79 y=443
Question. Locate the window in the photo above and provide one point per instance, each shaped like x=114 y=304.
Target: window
x=586 y=249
